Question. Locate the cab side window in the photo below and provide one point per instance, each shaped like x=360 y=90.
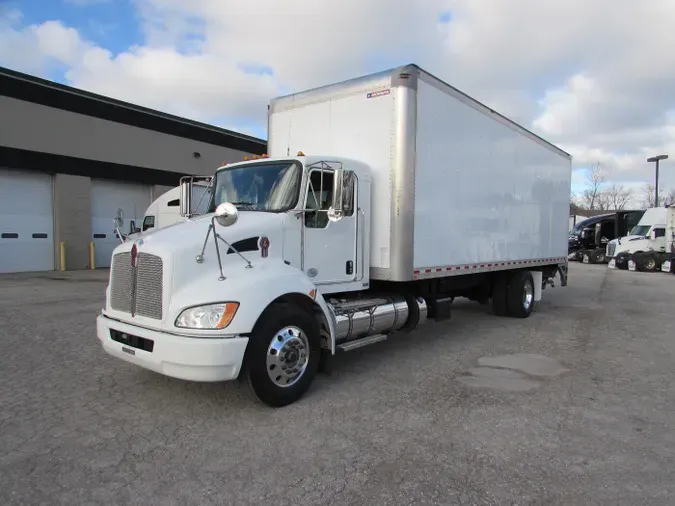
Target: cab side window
x=659 y=232
x=349 y=185
x=319 y=198
x=148 y=222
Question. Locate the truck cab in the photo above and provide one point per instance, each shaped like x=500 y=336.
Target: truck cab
x=165 y=209
x=648 y=235
x=300 y=195
x=279 y=234
x=588 y=239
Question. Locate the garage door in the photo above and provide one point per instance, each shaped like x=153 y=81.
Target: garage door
x=107 y=199
x=26 y=222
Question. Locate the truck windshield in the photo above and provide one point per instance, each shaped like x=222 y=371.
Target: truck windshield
x=264 y=186
x=576 y=231
x=640 y=230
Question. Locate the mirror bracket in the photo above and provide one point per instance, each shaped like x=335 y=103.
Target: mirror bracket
x=185 y=199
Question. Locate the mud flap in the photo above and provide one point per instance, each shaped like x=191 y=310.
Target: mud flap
x=562 y=270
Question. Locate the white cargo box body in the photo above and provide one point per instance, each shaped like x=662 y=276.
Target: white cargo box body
x=457 y=187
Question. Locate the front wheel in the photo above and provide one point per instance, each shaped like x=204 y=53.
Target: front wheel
x=283 y=355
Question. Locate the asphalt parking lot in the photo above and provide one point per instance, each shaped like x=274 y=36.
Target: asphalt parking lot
x=413 y=420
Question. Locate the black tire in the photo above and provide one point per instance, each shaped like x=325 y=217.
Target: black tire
x=520 y=295
x=622 y=261
x=649 y=263
x=268 y=329
x=640 y=258
x=597 y=256
x=499 y=307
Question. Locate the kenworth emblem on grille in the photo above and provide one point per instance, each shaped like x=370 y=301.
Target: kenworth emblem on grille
x=134 y=255
x=264 y=246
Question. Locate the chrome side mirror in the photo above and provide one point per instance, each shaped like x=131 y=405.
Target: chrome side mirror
x=335 y=212
x=119 y=219
x=185 y=196
x=226 y=214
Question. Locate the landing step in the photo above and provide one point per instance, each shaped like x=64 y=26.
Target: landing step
x=359 y=343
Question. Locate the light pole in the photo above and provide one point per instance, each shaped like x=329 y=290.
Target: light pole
x=656 y=185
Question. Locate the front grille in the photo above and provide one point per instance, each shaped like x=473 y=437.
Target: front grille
x=611 y=248
x=137 y=290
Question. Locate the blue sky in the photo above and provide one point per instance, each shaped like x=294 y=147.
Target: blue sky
x=114 y=24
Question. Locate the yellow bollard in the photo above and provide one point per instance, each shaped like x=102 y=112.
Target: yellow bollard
x=92 y=255
x=62 y=259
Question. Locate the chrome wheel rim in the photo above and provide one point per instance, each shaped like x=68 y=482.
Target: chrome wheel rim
x=287 y=356
x=528 y=295
x=650 y=264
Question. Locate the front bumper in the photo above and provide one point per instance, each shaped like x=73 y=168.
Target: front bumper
x=187 y=358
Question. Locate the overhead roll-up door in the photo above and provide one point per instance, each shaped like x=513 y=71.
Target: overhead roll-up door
x=108 y=197
x=26 y=221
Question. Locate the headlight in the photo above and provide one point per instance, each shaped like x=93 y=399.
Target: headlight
x=210 y=316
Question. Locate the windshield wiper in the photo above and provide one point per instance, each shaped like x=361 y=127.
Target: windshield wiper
x=247 y=204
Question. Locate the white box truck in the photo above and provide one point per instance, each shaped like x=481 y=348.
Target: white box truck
x=383 y=198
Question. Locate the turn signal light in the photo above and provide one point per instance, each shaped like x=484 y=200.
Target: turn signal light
x=300 y=153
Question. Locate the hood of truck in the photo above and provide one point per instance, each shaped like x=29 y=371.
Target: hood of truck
x=631 y=244
x=173 y=252
x=626 y=238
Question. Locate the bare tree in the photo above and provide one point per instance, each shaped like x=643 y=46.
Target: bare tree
x=647 y=194
x=618 y=196
x=603 y=202
x=669 y=200
x=595 y=176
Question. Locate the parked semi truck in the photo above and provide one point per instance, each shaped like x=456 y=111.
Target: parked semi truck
x=165 y=210
x=383 y=198
x=659 y=257
x=648 y=235
x=589 y=238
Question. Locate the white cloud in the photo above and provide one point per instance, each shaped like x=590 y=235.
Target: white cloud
x=593 y=77
x=36 y=48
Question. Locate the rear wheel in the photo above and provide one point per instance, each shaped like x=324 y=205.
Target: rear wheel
x=520 y=295
x=598 y=256
x=649 y=264
x=283 y=355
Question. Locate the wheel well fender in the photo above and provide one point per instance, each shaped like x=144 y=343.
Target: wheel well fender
x=283 y=284
x=318 y=308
